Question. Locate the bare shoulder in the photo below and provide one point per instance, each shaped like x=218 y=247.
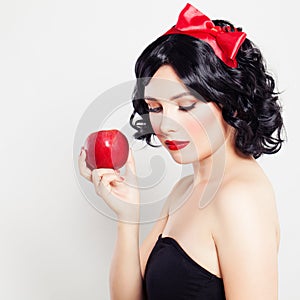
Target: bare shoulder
x=245 y=190
x=249 y=197
x=242 y=189
x=246 y=236
x=182 y=184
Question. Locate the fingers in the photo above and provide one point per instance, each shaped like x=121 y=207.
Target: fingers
x=83 y=169
x=86 y=172
x=103 y=182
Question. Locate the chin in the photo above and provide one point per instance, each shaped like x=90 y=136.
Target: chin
x=182 y=159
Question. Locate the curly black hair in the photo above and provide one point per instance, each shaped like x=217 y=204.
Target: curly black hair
x=246 y=95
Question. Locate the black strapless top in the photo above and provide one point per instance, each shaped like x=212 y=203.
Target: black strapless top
x=171 y=274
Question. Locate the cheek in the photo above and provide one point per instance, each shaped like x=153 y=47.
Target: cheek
x=196 y=133
x=155 y=122
x=204 y=129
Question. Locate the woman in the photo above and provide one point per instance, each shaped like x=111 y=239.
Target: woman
x=203 y=90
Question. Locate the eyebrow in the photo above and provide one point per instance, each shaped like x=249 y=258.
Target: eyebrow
x=172 y=98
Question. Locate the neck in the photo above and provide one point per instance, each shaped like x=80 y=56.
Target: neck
x=215 y=167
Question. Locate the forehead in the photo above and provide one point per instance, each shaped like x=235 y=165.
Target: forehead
x=164 y=84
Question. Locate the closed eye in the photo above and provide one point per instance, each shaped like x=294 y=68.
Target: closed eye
x=154 y=109
x=182 y=108
x=187 y=108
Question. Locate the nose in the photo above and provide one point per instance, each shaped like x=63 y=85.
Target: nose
x=167 y=124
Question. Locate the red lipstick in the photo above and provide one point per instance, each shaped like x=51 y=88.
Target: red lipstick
x=176 y=145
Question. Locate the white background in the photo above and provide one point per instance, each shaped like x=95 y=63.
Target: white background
x=56 y=57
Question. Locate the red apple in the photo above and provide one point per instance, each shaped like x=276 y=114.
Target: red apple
x=106 y=149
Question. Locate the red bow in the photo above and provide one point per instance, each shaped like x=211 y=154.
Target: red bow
x=224 y=42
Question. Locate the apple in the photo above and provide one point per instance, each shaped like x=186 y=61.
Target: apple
x=106 y=149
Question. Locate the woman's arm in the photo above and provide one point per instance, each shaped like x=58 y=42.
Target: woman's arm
x=125 y=272
x=122 y=195
x=246 y=238
x=129 y=260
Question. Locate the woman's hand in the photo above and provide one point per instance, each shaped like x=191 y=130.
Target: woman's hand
x=120 y=193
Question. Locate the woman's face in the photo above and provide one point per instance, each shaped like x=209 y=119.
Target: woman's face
x=190 y=129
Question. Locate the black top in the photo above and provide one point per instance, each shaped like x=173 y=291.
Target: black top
x=171 y=274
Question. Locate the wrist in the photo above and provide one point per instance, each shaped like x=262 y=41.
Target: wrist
x=130 y=214
x=125 y=229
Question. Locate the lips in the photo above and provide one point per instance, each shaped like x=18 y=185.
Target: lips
x=176 y=145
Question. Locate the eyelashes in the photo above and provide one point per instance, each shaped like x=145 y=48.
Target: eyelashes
x=187 y=108
x=159 y=108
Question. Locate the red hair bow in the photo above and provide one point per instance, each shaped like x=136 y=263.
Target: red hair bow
x=224 y=42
